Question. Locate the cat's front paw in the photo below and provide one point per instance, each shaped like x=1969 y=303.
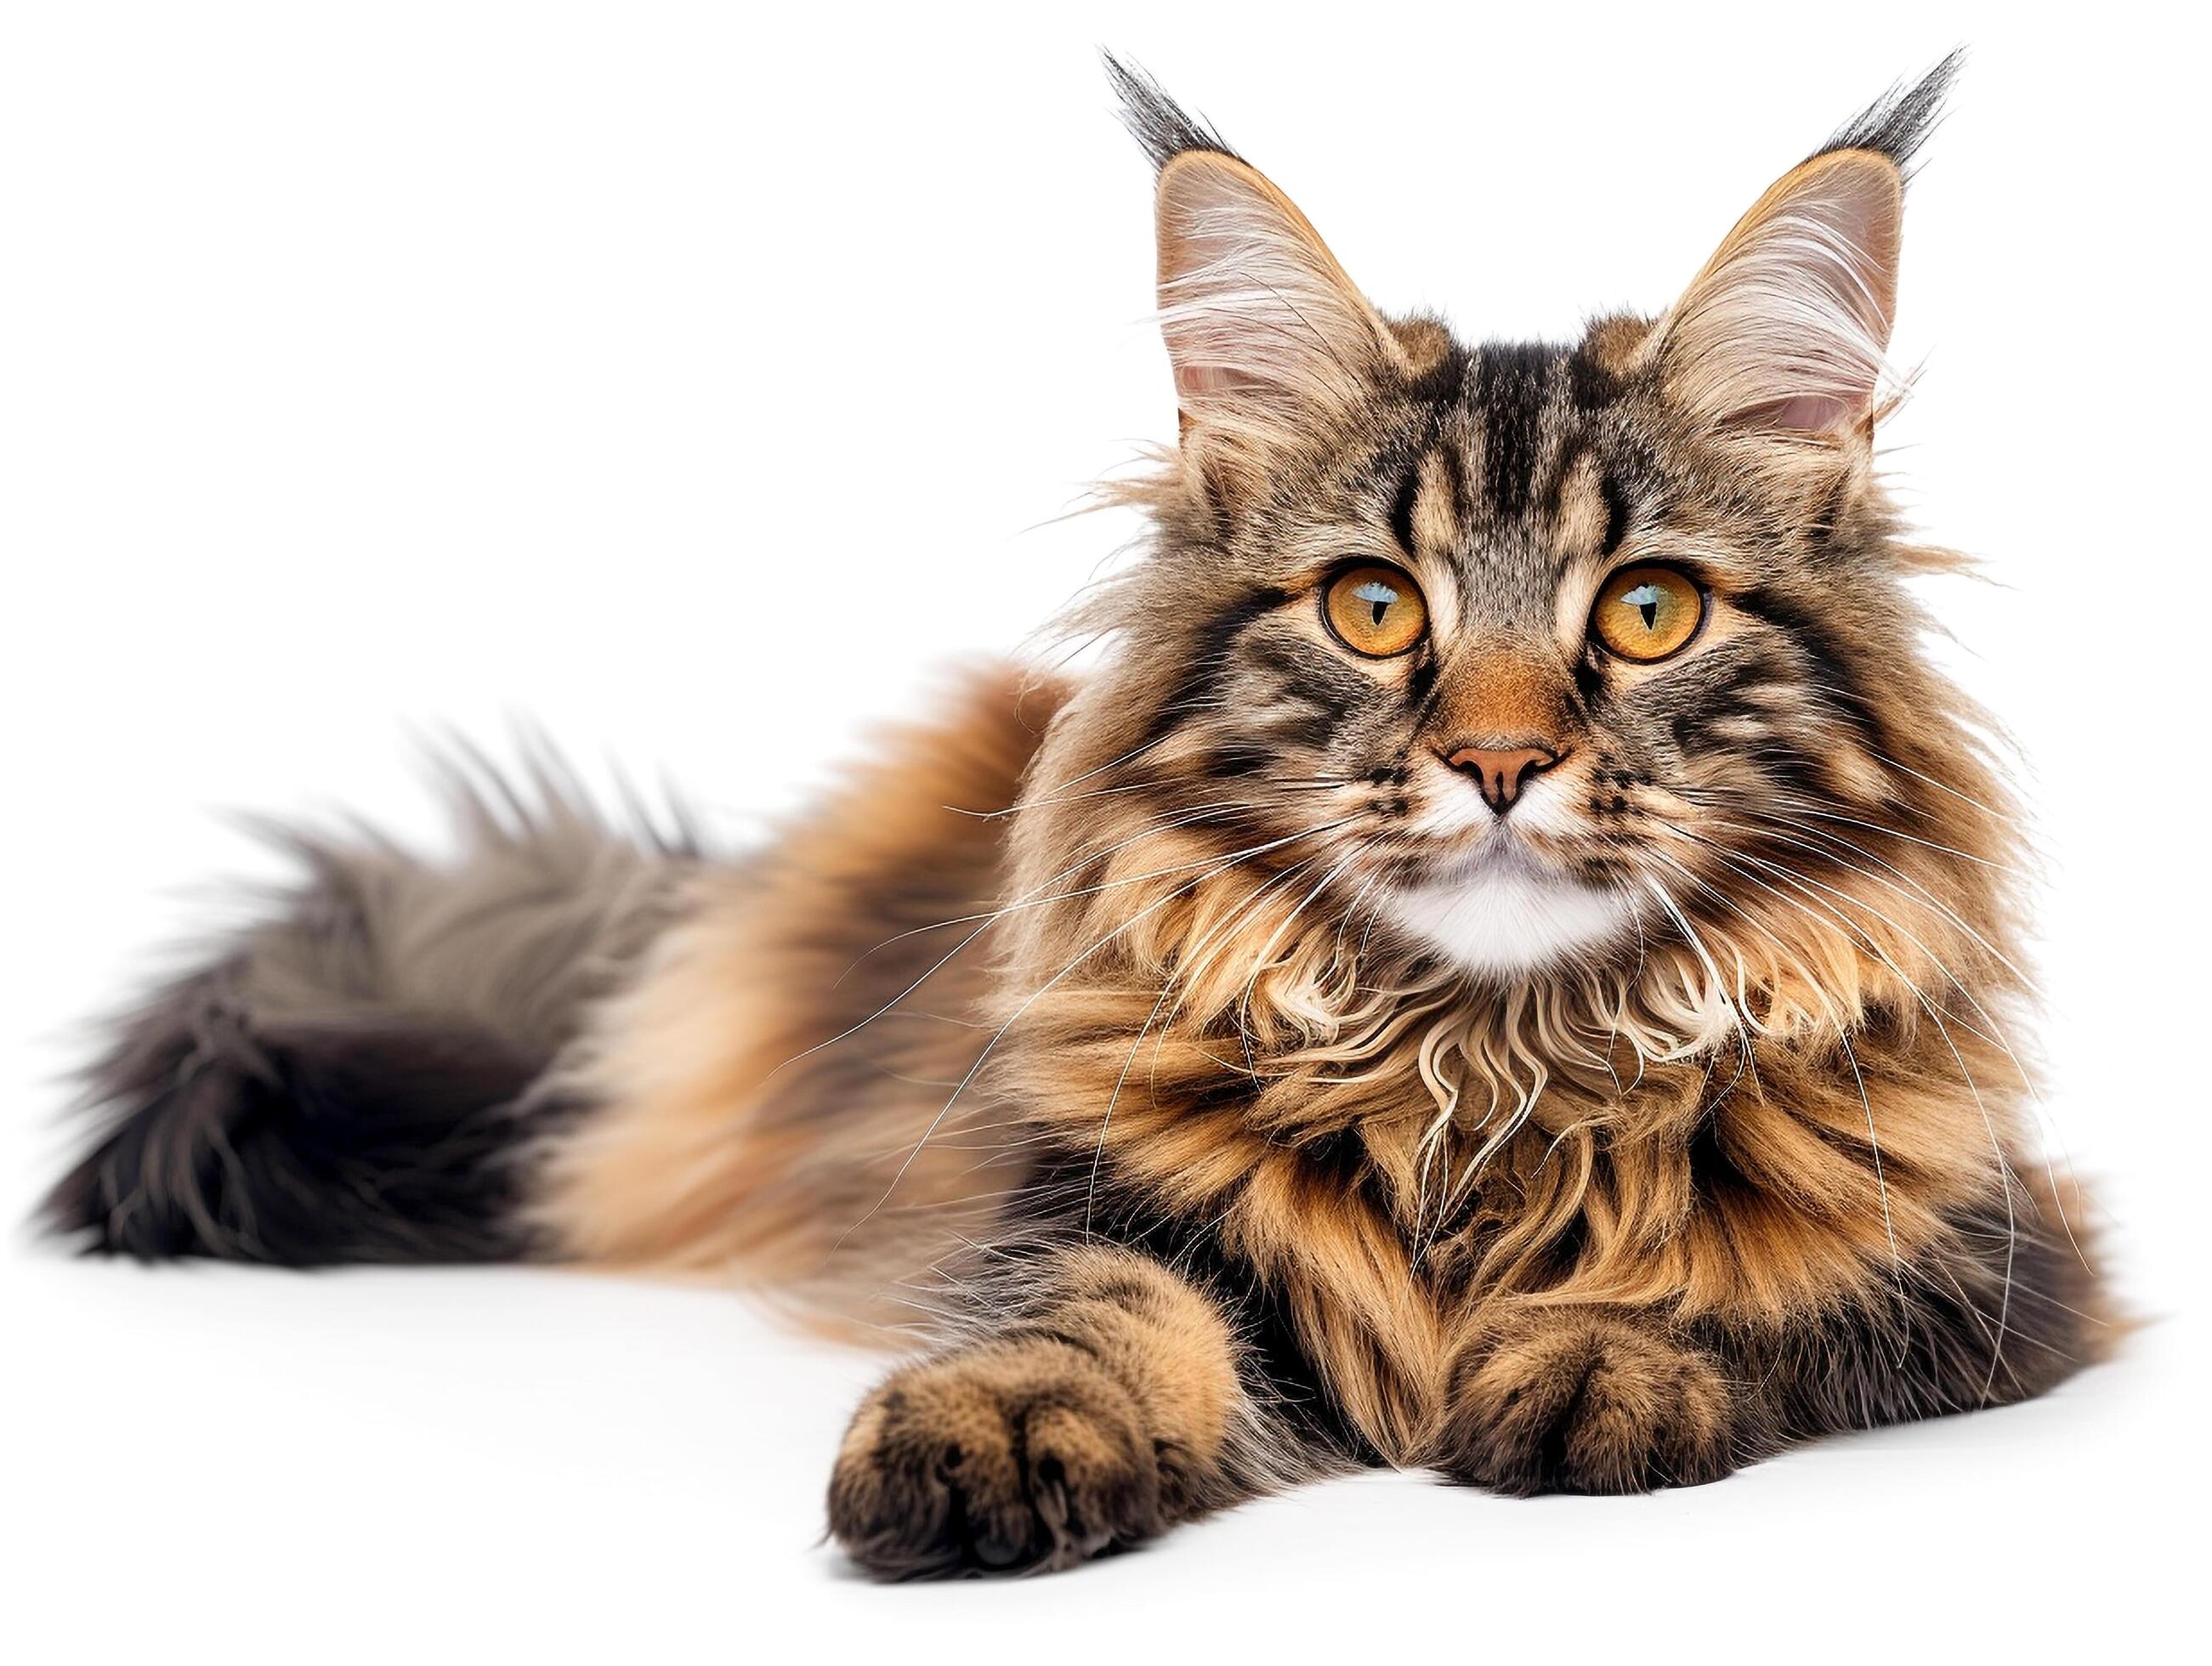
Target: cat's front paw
x=1580 y=1402
x=1004 y=1457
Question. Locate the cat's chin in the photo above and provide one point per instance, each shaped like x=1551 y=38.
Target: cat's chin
x=1509 y=914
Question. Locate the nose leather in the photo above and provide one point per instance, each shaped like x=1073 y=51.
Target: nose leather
x=1502 y=772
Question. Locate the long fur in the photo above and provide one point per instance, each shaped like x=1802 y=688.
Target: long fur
x=1099 y=1037
x=349 y=1078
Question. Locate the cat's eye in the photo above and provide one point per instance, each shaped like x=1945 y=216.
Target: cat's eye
x=1646 y=613
x=1376 y=610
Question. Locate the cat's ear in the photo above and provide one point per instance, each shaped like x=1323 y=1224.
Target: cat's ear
x=1264 y=328
x=1784 y=332
x=1785 y=329
x=1262 y=324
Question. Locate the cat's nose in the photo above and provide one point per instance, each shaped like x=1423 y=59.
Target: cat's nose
x=1503 y=771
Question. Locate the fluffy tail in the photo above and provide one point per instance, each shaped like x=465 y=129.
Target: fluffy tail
x=358 y=1077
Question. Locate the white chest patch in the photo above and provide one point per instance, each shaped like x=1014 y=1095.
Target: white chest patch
x=1509 y=917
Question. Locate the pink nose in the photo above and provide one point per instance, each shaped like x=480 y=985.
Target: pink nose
x=1502 y=772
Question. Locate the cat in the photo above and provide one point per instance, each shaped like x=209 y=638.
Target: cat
x=1504 y=964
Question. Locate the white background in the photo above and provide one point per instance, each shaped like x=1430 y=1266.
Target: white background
x=696 y=381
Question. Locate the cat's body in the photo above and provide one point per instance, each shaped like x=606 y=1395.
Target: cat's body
x=1504 y=966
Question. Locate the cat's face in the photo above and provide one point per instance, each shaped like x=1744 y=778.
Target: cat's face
x=1536 y=647
x=1515 y=649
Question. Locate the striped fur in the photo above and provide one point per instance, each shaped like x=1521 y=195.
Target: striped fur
x=1188 y=1057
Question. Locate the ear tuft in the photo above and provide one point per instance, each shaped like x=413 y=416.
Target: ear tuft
x=1898 y=122
x=1156 y=121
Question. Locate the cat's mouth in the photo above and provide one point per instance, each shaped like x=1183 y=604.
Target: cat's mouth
x=1502 y=909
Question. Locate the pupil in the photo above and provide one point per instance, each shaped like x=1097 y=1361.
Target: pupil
x=1645 y=599
x=1378 y=596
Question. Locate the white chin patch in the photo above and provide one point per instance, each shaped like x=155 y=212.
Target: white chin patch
x=1508 y=917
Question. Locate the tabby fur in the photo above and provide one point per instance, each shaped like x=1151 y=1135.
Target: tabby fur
x=1169 y=1053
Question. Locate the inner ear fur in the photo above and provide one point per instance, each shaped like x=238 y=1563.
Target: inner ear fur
x=1265 y=329
x=1783 y=332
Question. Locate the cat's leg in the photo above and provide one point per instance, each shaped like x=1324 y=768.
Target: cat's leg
x=1110 y=1404
x=1584 y=1399
x=2006 y=1309
x=1580 y=1399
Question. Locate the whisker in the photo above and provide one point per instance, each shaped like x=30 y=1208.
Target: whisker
x=1941 y=787
x=1695 y=794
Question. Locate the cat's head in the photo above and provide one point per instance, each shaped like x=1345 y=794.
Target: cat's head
x=1528 y=647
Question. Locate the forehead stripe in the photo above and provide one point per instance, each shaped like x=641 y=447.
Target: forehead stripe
x=1513 y=383
x=1401 y=507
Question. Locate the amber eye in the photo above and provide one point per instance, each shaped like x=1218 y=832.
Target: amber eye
x=1375 y=610
x=1646 y=613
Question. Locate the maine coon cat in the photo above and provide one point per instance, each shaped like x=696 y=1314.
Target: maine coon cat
x=1506 y=964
